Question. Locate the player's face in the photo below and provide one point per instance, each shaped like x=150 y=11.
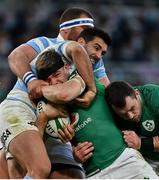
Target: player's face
x=96 y=49
x=132 y=109
x=59 y=76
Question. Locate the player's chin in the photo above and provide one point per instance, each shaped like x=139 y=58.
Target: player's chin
x=135 y=119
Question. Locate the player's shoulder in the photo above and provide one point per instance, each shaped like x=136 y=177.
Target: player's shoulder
x=152 y=87
x=43 y=40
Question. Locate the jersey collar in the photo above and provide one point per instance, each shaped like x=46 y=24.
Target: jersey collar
x=59 y=37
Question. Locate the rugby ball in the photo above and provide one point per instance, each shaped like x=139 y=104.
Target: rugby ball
x=54 y=124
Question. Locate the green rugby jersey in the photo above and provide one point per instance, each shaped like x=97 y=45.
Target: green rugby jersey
x=149 y=122
x=95 y=124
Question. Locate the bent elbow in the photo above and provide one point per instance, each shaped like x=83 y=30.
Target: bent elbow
x=12 y=57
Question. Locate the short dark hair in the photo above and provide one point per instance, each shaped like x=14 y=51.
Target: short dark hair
x=90 y=33
x=73 y=13
x=117 y=91
x=48 y=63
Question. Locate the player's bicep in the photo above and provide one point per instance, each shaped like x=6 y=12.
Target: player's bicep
x=24 y=53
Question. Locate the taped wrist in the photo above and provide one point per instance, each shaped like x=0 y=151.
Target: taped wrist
x=147 y=144
x=28 y=77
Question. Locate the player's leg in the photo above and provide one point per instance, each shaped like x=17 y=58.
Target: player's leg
x=154 y=164
x=29 y=150
x=16 y=171
x=63 y=164
x=130 y=165
x=3 y=165
x=22 y=139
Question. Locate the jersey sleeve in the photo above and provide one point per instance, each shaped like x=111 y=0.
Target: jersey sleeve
x=151 y=92
x=155 y=100
x=99 y=70
x=38 y=44
x=62 y=51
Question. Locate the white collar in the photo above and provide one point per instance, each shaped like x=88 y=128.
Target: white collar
x=59 y=37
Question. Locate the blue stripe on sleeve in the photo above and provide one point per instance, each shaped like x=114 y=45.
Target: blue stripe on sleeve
x=34 y=45
x=55 y=40
x=99 y=69
x=44 y=41
x=60 y=48
x=39 y=44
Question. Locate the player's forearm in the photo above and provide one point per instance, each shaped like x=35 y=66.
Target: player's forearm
x=150 y=144
x=156 y=143
x=84 y=66
x=19 y=60
x=59 y=95
x=66 y=92
x=41 y=123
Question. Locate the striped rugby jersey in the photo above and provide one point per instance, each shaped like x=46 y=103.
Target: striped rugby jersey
x=41 y=43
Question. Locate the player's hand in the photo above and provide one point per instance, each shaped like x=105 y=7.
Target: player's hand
x=67 y=133
x=35 y=88
x=52 y=111
x=83 y=151
x=86 y=99
x=132 y=139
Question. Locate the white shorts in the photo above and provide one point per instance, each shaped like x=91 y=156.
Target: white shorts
x=154 y=165
x=129 y=165
x=17 y=116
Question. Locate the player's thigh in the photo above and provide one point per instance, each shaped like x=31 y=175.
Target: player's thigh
x=28 y=148
x=3 y=165
x=16 y=117
x=154 y=164
x=131 y=165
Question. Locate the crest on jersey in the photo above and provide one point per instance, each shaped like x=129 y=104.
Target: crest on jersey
x=74 y=118
x=149 y=125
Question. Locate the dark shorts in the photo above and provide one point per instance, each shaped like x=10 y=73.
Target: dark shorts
x=60 y=166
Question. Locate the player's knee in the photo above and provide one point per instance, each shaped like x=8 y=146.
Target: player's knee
x=44 y=169
x=41 y=170
x=15 y=170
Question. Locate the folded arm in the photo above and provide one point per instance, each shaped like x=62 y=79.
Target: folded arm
x=63 y=93
x=19 y=62
x=83 y=64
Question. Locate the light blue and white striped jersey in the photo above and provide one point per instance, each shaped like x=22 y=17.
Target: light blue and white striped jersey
x=59 y=47
x=99 y=70
x=41 y=43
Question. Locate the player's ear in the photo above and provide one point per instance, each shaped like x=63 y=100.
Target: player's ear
x=81 y=41
x=48 y=79
x=137 y=92
x=66 y=67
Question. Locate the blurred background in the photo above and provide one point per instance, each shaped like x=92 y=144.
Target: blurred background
x=132 y=24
